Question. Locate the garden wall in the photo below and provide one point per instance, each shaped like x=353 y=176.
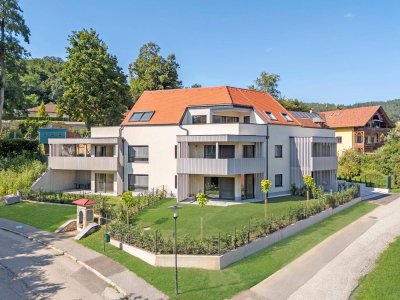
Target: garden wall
x=215 y=262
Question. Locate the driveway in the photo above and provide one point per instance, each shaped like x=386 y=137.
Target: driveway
x=29 y=270
x=332 y=268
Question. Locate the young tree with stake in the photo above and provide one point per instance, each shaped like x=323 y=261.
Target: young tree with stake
x=201 y=201
x=265 y=185
x=310 y=185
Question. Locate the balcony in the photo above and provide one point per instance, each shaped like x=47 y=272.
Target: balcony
x=83 y=163
x=324 y=163
x=227 y=129
x=230 y=166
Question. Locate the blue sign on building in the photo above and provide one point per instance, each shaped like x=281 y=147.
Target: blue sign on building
x=51 y=133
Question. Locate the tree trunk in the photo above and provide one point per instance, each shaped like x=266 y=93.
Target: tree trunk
x=201 y=228
x=265 y=207
x=3 y=71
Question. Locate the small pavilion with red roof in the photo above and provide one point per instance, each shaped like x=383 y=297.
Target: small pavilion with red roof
x=84 y=212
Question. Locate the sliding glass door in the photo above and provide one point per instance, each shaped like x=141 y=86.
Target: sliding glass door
x=104 y=183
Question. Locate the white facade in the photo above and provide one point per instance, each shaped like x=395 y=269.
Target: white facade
x=224 y=160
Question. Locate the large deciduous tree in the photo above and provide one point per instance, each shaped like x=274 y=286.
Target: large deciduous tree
x=42 y=82
x=96 y=91
x=12 y=31
x=151 y=71
x=294 y=105
x=267 y=83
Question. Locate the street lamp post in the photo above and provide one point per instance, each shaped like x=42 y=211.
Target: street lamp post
x=175 y=208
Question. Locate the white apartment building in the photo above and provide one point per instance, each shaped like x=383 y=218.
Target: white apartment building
x=221 y=141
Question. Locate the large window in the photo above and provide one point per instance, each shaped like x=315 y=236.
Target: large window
x=138 y=154
x=141 y=116
x=278 y=180
x=248 y=151
x=138 y=182
x=104 y=183
x=359 y=139
x=225 y=119
x=199 y=119
x=246 y=119
x=278 y=151
x=209 y=151
x=226 y=151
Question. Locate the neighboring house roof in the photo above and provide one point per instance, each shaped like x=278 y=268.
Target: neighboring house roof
x=169 y=106
x=351 y=117
x=49 y=107
x=309 y=119
x=84 y=202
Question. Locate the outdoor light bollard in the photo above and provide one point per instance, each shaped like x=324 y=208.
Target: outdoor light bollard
x=175 y=208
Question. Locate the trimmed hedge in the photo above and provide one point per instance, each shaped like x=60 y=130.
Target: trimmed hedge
x=214 y=245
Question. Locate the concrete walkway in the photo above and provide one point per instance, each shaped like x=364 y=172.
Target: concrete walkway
x=126 y=282
x=331 y=269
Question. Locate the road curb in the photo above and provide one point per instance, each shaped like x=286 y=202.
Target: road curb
x=83 y=264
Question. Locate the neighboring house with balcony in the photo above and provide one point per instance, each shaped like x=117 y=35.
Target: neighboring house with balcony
x=362 y=128
x=221 y=141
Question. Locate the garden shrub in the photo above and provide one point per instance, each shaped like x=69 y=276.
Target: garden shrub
x=15 y=147
x=18 y=174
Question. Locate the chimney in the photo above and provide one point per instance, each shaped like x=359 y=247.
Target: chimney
x=311 y=111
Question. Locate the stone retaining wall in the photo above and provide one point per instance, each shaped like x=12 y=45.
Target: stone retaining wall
x=215 y=262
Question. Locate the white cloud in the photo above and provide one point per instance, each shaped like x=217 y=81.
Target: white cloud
x=349 y=15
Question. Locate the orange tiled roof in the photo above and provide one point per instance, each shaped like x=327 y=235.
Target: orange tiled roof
x=170 y=105
x=49 y=107
x=351 y=117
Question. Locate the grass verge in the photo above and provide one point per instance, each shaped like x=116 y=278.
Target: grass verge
x=383 y=282
x=43 y=216
x=205 y=284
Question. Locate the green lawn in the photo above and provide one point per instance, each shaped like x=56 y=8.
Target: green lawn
x=383 y=282
x=43 y=216
x=205 y=284
x=216 y=218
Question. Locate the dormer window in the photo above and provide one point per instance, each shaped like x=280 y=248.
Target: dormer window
x=287 y=117
x=141 y=116
x=271 y=116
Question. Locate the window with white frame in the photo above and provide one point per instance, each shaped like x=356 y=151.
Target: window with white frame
x=138 y=154
x=138 y=182
x=287 y=117
x=271 y=116
x=278 y=180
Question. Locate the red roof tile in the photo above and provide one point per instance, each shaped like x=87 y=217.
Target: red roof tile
x=49 y=107
x=84 y=202
x=170 y=105
x=351 y=117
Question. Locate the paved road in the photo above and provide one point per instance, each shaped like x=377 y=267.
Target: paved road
x=331 y=269
x=29 y=270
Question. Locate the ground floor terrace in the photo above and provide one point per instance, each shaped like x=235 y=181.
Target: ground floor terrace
x=78 y=181
x=225 y=187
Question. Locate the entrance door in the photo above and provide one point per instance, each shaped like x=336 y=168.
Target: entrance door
x=227 y=188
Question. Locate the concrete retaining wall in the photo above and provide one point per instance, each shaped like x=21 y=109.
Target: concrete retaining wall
x=215 y=262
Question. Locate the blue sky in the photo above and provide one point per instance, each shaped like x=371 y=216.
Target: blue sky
x=329 y=51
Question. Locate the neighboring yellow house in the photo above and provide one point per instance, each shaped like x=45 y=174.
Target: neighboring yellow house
x=362 y=128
